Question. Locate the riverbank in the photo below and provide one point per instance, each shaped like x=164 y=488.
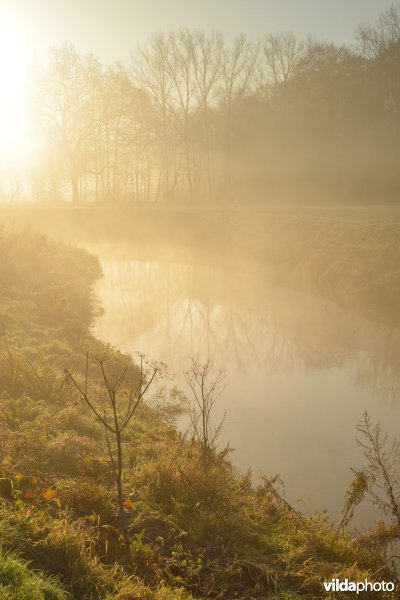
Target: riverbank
x=351 y=255
x=192 y=533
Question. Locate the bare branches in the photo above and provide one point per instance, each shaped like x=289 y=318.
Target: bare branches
x=282 y=53
x=205 y=392
x=84 y=396
x=64 y=106
x=206 y=54
x=383 y=467
x=238 y=67
x=180 y=68
x=373 y=40
x=112 y=386
x=108 y=411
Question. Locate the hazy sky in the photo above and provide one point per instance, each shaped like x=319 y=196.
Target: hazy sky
x=112 y=28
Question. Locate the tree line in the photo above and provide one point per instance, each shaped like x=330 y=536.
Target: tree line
x=198 y=119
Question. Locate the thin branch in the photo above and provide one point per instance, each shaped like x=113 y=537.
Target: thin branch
x=88 y=402
x=126 y=422
x=106 y=381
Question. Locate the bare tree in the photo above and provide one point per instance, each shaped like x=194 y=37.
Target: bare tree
x=380 y=45
x=152 y=70
x=282 y=53
x=119 y=140
x=114 y=410
x=375 y=39
x=183 y=94
x=65 y=107
x=238 y=68
x=205 y=389
x=206 y=55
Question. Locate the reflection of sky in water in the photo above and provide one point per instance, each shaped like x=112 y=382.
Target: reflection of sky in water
x=300 y=370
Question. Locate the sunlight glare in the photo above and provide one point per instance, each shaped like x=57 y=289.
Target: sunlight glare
x=14 y=71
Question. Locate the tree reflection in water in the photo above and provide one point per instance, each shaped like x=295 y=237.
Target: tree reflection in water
x=304 y=368
x=242 y=320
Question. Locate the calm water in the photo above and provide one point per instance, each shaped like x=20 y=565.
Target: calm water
x=300 y=370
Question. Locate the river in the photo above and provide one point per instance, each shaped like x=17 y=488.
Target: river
x=300 y=370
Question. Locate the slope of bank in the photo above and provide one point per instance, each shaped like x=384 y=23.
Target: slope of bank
x=193 y=533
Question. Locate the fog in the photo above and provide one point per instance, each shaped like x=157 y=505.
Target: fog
x=199 y=118
x=218 y=205
x=301 y=370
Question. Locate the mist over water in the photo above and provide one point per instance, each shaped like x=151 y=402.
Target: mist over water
x=301 y=370
x=226 y=206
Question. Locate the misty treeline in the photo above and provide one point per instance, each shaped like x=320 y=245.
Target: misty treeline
x=198 y=118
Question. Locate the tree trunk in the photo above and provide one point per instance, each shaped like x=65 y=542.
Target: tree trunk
x=122 y=518
x=74 y=187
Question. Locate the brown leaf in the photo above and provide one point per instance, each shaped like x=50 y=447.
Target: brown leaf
x=49 y=494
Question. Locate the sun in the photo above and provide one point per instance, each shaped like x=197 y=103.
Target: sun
x=14 y=75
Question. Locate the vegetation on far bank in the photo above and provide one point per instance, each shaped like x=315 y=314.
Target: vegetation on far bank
x=193 y=532
x=351 y=256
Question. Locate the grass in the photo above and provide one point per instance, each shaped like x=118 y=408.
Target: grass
x=192 y=535
x=19 y=582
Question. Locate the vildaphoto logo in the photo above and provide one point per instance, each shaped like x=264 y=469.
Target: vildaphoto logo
x=337 y=585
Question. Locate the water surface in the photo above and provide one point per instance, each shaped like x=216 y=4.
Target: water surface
x=300 y=370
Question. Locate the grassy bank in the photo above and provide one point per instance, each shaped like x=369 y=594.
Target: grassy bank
x=193 y=532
